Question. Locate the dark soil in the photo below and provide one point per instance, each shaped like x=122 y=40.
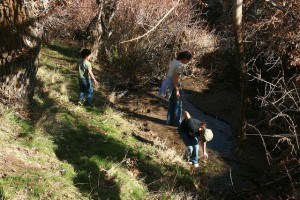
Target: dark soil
x=150 y=111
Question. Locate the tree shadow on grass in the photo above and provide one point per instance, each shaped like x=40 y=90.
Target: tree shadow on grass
x=88 y=149
x=84 y=149
x=72 y=60
x=78 y=145
x=66 y=71
x=66 y=51
x=92 y=154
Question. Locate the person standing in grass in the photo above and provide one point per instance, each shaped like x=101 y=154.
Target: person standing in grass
x=171 y=87
x=85 y=76
x=191 y=131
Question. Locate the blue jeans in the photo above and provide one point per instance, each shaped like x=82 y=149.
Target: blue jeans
x=86 y=89
x=191 y=142
x=174 y=110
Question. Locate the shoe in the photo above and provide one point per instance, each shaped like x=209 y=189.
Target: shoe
x=80 y=103
x=190 y=163
x=196 y=165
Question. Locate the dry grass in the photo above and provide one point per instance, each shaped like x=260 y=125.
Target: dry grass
x=6 y=127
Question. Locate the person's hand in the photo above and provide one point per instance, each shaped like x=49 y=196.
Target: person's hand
x=96 y=82
x=177 y=94
x=186 y=115
x=205 y=155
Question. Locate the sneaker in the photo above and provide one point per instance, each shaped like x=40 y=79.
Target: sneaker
x=196 y=165
x=80 y=103
x=190 y=163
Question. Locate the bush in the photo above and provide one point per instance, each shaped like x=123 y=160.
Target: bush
x=134 y=63
x=69 y=20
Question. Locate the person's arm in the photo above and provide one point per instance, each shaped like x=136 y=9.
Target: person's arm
x=93 y=77
x=191 y=124
x=203 y=144
x=166 y=73
x=186 y=115
x=175 y=81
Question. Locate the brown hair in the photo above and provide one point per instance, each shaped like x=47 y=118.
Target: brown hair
x=85 y=53
x=203 y=125
x=184 y=55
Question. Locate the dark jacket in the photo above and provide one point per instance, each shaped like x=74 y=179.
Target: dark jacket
x=191 y=126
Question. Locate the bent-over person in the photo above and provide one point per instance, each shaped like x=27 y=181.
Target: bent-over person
x=192 y=131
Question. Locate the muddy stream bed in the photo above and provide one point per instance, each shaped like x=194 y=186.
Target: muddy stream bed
x=235 y=176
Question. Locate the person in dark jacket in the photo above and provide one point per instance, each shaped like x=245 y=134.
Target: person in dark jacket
x=191 y=131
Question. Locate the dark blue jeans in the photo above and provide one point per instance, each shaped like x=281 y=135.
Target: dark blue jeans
x=175 y=109
x=191 y=142
x=86 y=89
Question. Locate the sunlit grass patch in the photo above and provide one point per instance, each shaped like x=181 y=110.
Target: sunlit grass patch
x=130 y=186
x=28 y=173
x=34 y=185
x=12 y=125
x=8 y=123
x=54 y=83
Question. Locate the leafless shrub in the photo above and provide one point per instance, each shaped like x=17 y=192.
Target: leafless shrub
x=271 y=37
x=279 y=108
x=134 y=63
x=70 y=20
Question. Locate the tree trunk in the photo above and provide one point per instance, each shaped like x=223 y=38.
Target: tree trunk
x=238 y=15
x=19 y=49
x=98 y=30
x=20 y=44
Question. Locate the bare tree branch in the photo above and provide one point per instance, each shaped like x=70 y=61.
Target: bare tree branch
x=153 y=28
x=264 y=144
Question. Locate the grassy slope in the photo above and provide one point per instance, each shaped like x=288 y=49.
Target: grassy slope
x=64 y=153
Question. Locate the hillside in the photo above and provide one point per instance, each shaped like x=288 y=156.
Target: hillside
x=118 y=148
x=59 y=150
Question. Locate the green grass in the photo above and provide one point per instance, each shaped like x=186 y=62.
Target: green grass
x=2 y=196
x=70 y=156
